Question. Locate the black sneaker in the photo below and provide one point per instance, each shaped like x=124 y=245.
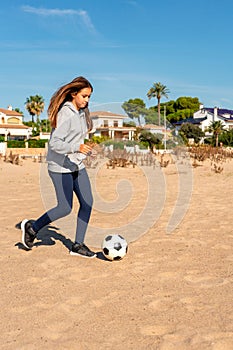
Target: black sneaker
x=28 y=234
x=82 y=250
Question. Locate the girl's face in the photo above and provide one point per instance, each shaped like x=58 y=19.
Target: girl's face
x=81 y=98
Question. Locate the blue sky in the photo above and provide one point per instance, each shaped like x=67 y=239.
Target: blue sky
x=121 y=46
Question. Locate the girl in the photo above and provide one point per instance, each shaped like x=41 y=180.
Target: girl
x=70 y=120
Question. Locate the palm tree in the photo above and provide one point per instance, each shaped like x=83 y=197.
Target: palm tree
x=35 y=106
x=216 y=127
x=158 y=91
x=29 y=105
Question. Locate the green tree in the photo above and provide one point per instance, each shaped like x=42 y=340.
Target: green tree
x=18 y=110
x=35 y=106
x=183 y=108
x=216 y=127
x=226 y=137
x=45 y=125
x=169 y=107
x=190 y=131
x=135 y=108
x=158 y=91
x=35 y=127
x=129 y=124
x=150 y=139
x=180 y=115
x=186 y=102
x=137 y=133
x=152 y=112
x=151 y=116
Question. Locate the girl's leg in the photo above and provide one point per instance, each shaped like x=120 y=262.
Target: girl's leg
x=63 y=184
x=82 y=189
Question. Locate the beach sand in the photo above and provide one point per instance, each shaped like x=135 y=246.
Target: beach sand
x=171 y=292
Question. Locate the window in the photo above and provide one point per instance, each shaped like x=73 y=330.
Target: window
x=13 y=120
x=15 y=138
x=115 y=123
x=105 y=123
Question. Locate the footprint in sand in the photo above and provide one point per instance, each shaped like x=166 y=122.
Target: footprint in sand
x=220 y=340
x=156 y=330
x=54 y=331
x=168 y=275
x=192 y=304
x=179 y=340
x=52 y=262
x=162 y=304
x=222 y=246
x=206 y=281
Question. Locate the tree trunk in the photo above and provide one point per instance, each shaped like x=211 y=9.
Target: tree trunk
x=139 y=121
x=159 y=121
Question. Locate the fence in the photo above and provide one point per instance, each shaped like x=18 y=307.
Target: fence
x=22 y=151
x=3 y=148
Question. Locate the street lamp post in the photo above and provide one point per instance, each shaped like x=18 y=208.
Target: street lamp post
x=165 y=127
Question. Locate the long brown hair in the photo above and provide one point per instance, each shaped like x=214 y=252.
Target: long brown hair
x=63 y=94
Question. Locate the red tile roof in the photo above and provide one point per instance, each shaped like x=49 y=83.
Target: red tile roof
x=9 y=112
x=152 y=126
x=106 y=114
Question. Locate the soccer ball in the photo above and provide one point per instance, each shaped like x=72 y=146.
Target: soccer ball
x=114 y=247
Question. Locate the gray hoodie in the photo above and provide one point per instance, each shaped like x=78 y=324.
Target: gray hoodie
x=63 y=150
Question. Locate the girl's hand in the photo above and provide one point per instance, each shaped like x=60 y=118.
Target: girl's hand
x=85 y=149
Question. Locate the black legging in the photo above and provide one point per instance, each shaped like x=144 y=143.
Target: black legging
x=65 y=185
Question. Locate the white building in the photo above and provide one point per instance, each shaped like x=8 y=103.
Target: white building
x=11 y=125
x=205 y=116
x=111 y=125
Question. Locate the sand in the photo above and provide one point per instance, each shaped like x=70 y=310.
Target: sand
x=171 y=291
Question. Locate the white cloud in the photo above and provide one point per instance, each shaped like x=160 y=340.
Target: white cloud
x=135 y=4
x=62 y=12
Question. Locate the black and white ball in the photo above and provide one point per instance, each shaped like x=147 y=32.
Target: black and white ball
x=114 y=247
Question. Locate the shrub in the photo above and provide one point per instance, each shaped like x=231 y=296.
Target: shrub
x=15 y=144
x=143 y=145
x=37 y=143
x=118 y=145
x=131 y=143
x=99 y=139
x=115 y=144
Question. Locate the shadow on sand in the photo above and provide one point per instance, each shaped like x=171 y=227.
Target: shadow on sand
x=48 y=236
